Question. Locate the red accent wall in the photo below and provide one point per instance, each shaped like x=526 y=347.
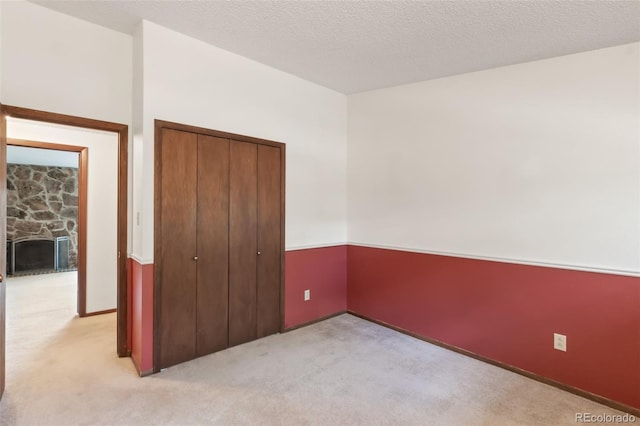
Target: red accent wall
x=509 y=312
x=142 y=316
x=129 y=269
x=324 y=272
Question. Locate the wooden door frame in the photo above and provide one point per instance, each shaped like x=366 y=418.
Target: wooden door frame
x=3 y=252
x=122 y=130
x=83 y=170
x=159 y=125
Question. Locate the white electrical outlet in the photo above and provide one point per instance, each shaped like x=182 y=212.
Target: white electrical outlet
x=307 y=295
x=560 y=342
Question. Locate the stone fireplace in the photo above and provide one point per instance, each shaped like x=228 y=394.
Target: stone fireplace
x=42 y=214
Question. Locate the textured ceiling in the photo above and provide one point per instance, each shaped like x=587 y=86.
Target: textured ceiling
x=354 y=46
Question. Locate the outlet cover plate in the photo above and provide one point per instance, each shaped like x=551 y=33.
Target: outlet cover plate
x=560 y=342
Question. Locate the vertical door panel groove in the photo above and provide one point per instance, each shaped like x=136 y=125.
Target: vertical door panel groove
x=242 y=242
x=213 y=244
x=268 y=267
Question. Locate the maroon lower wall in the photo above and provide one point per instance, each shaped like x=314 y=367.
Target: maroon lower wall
x=508 y=313
x=129 y=269
x=141 y=312
x=323 y=271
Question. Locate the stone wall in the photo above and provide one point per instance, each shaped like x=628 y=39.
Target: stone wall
x=42 y=201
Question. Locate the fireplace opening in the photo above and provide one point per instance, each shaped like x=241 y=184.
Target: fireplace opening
x=37 y=256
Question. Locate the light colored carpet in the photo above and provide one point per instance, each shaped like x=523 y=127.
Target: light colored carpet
x=62 y=370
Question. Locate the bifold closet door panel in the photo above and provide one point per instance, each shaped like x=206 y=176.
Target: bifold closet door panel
x=177 y=315
x=243 y=248
x=269 y=216
x=213 y=244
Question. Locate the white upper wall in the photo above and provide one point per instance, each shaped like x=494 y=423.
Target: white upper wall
x=190 y=82
x=41 y=157
x=53 y=62
x=1 y=44
x=136 y=152
x=537 y=162
x=532 y=162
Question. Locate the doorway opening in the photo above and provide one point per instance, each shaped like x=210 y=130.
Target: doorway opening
x=119 y=183
x=47 y=213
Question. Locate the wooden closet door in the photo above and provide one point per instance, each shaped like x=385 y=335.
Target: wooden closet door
x=269 y=243
x=213 y=245
x=242 y=241
x=177 y=316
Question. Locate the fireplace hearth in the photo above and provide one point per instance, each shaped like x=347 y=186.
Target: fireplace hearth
x=37 y=256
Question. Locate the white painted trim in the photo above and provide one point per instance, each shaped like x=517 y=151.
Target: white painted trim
x=141 y=260
x=312 y=246
x=600 y=270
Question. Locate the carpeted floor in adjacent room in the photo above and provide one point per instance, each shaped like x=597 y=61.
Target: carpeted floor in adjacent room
x=63 y=370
